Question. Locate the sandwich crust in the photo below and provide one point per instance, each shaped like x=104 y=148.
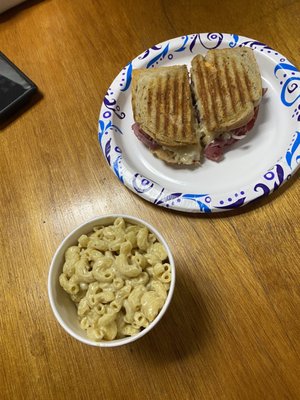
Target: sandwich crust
x=227 y=88
x=162 y=105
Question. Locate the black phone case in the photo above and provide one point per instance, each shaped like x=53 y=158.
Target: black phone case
x=13 y=95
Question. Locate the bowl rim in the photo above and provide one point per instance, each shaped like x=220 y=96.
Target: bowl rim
x=54 y=267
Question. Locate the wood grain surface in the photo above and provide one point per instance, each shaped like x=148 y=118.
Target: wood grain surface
x=233 y=328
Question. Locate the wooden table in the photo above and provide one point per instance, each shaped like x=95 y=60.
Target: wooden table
x=233 y=329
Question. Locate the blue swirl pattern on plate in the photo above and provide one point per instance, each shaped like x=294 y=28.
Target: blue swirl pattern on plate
x=292 y=155
x=234 y=41
x=159 y=56
x=128 y=78
x=289 y=83
x=111 y=115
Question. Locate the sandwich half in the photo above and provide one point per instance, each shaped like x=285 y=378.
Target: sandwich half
x=164 y=115
x=227 y=91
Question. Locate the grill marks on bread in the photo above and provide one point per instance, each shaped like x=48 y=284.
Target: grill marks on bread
x=227 y=84
x=162 y=105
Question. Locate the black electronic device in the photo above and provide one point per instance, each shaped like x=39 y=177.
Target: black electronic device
x=15 y=88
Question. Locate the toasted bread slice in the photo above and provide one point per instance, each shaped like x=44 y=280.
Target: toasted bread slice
x=162 y=105
x=227 y=87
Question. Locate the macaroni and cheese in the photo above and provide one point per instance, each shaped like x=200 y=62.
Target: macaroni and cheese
x=118 y=277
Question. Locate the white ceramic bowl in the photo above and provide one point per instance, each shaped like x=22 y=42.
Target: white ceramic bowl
x=62 y=306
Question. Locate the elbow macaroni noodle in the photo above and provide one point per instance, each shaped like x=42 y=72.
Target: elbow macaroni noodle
x=118 y=277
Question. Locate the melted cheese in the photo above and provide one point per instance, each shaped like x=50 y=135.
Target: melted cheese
x=185 y=154
x=209 y=137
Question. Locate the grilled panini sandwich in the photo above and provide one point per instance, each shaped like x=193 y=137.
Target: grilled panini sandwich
x=164 y=115
x=227 y=90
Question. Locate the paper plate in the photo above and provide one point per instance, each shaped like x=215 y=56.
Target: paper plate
x=251 y=168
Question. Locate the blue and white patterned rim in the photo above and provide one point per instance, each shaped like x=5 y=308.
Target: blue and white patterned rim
x=112 y=117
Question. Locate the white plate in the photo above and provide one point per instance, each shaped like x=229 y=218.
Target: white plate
x=254 y=167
